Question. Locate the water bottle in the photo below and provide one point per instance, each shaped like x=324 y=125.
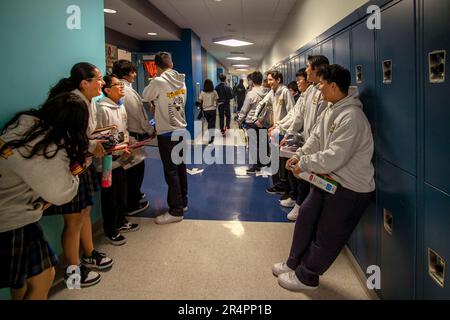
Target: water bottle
x=107 y=171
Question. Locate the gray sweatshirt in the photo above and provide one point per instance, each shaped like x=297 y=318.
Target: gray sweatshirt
x=279 y=102
x=251 y=101
x=341 y=145
x=25 y=182
x=313 y=107
x=168 y=93
x=284 y=124
x=92 y=124
x=138 y=121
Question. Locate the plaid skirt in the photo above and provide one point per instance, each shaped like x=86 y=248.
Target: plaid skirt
x=88 y=186
x=24 y=253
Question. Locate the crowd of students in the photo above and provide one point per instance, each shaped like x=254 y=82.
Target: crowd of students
x=51 y=162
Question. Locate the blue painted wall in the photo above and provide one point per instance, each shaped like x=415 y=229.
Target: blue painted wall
x=186 y=56
x=38 y=50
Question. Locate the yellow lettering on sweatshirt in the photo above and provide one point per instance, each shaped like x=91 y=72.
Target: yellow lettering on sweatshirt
x=172 y=95
x=6 y=153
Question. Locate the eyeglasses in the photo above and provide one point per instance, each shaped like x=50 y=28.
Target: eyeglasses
x=120 y=84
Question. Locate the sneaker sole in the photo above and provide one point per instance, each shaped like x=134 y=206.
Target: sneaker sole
x=129 y=230
x=117 y=243
x=275 y=192
x=168 y=222
x=135 y=212
x=285 y=206
x=95 y=267
x=90 y=284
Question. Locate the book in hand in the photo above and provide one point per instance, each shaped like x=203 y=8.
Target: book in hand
x=323 y=182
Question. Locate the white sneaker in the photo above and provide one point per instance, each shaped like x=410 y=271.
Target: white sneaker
x=290 y=281
x=280 y=268
x=185 y=209
x=167 y=218
x=293 y=215
x=288 y=203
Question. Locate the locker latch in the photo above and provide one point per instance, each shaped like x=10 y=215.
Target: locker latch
x=436 y=66
x=387 y=71
x=359 y=77
x=388 y=221
x=436 y=267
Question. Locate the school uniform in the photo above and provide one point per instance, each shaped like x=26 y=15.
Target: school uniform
x=340 y=145
x=140 y=129
x=26 y=185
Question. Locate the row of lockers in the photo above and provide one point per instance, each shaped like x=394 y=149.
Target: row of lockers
x=400 y=70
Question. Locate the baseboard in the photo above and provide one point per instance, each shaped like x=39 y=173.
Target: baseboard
x=361 y=275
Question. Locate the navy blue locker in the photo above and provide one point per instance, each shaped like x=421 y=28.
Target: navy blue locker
x=436 y=245
x=342 y=49
x=397 y=210
x=303 y=61
x=397 y=87
x=437 y=88
x=327 y=50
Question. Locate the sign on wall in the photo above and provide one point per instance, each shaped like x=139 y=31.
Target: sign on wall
x=112 y=55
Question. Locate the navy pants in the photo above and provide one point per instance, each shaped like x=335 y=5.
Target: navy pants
x=323 y=227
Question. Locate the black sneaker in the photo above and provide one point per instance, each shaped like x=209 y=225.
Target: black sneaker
x=142 y=206
x=87 y=277
x=284 y=197
x=274 y=190
x=143 y=195
x=253 y=170
x=128 y=227
x=97 y=260
x=117 y=240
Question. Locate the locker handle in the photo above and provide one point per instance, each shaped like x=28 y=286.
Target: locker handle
x=436 y=267
x=359 y=76
x=387 y=71
x=436 y=66
x=388 y=221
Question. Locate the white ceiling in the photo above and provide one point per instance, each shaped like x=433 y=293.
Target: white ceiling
x=258 y=21
x=141 y=24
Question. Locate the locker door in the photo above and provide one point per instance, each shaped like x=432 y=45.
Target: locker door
x=316 y=50
x=342 y=49
x=436 y=252
x=327 y=50
x=437 y=105
x=397 y=210
x=397 y=87
x=303 y=60
x=363 y=76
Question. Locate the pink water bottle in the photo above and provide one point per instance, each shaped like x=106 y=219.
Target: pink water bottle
x=107 y=171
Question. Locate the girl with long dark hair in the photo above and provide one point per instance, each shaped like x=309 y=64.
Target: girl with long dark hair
x=37 y=148
x=86 y=81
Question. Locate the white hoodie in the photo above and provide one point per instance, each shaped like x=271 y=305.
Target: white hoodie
x=168 y=93
x=92 y=124
x=280 y=103
x=25 y=182
x=138 y=121
x=341 y=145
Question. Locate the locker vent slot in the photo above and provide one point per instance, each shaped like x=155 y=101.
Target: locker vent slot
x=436 y=267
x=387 y=71
x=359 y=77
x=436 y=63
x=388 y=221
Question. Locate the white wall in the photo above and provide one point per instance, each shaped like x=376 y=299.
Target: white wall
x=307 y=20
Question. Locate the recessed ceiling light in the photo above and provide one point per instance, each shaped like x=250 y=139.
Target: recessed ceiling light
x=152 y=34
x=242 y=70
x=241 y=65
x=231 y=42
x=238 y=58
x=109 y=11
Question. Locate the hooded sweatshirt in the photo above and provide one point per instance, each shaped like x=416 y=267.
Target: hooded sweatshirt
x=92 y=125
x=25 y=182
x=168 y=93
x=251 y=101
x=341 y=145
x=285 y=123
x=280 y=103
x=138 y=121
x=108 y=114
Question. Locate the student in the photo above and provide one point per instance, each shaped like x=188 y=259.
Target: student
x=139 y=128
x=208 y=102
x=168 y=93
x=239 y=93
x=111 y=112
x=293 y=89
x=278 y=102
x=341 y=145
x=225 y=95
x=246 y=114
x=86 y=81
x=306 y=119
x=37 y=148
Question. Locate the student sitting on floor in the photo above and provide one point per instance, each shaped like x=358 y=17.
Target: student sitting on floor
x=341 y=146
x=111 y=112
x=36 y=150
